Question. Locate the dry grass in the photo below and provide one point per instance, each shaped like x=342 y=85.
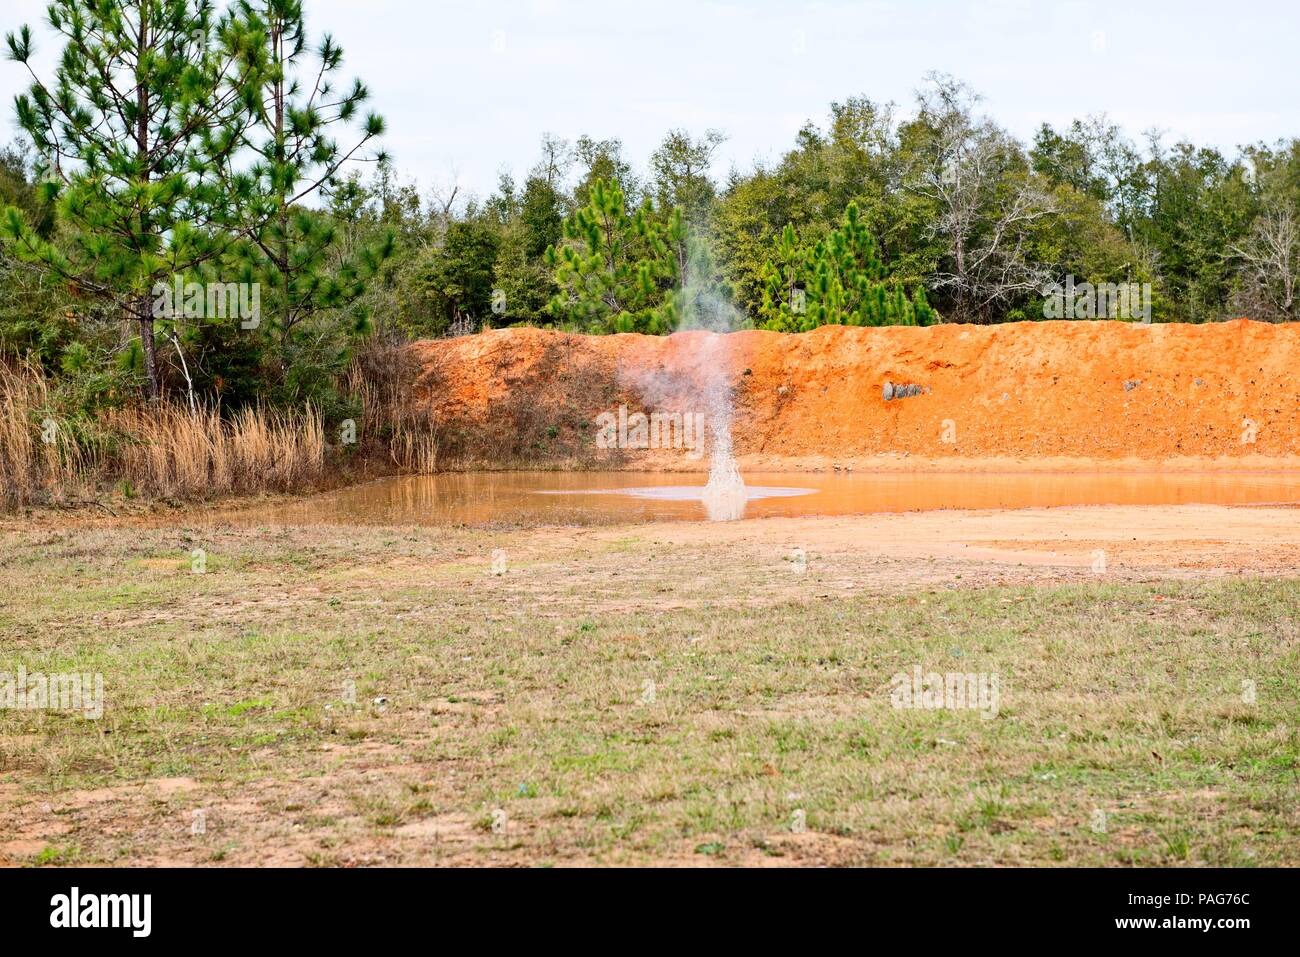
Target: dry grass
x=166 y=452
x=179 y=454
x=384 y=380
x=36 y=455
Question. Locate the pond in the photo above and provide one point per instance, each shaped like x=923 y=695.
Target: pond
x=605 y=498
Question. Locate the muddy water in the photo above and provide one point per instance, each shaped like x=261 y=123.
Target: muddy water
x=600 y=498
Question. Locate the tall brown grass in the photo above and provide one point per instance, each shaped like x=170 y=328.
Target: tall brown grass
x=35 y=453
x=386 y=380
x=162 y=452
x=171 y=451
x=174 y=453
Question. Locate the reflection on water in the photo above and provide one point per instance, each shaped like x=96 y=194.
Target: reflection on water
x=603 y=498
x=725 y=503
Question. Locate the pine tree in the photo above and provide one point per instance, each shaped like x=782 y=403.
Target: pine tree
x=457 y=277
x=524 y=281
x=145 y=110
x=614 y=268
x=294 y=250
x=840 y=281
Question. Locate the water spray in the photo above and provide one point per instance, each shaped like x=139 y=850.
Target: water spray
x=724 y=496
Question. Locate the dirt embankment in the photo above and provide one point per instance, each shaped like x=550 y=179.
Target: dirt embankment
x=1049 y=395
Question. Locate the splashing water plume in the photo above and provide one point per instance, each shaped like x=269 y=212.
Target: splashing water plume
x=709 y=319
x=724 y=496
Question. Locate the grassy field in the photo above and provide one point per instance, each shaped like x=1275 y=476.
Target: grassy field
x=379 y=696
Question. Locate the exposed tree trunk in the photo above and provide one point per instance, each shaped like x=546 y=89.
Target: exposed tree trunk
x=277 y=54
x=145 y=314
x=185 y=370
x=143 y=305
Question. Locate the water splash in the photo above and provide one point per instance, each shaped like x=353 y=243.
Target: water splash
x=703 y=384
x=724 y=496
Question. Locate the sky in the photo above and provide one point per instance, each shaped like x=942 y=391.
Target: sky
x=468 y=88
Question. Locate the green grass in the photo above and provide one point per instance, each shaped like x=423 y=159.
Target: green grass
x=512 y=694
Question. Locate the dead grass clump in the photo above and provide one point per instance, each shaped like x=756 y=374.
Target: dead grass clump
x=394 y=393
x=39 y=454
x=167 y=451
x=174 y=453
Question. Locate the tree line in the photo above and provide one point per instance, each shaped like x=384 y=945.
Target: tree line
x=873 y=217
x=181 y=146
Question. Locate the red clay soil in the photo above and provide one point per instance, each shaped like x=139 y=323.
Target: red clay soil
x=1030 y=395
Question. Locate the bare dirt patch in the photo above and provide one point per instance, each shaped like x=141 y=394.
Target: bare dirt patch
x=1023 y=395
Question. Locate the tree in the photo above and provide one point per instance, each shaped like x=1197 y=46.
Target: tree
x=1202 y=207
x=541 y=214
x=614 y=267
x=19 y=189
x=983 y=199
x=146 y=108
x=33 y=320
x=456 y=279
x=855 y=158
x=680 y=168
x=1096 y=159
x=841 y=280
x=521 y=280
x=599 y=160
x=1271 y=260
x=528 y=222
x=367 y=212
x=746 y=223
x=291 y=248
x=554 y=164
